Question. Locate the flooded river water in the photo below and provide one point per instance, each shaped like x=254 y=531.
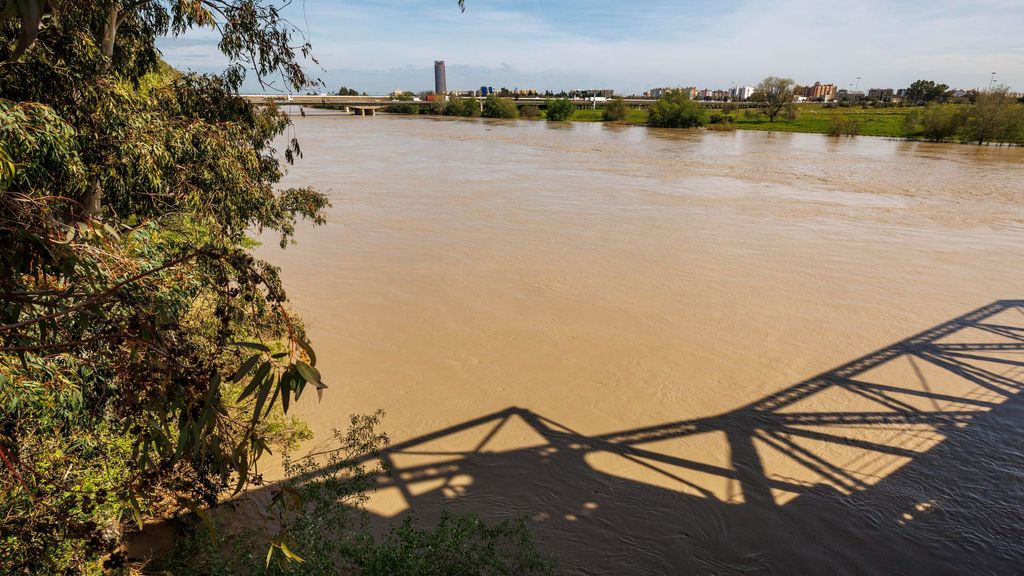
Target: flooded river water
x=677 y=352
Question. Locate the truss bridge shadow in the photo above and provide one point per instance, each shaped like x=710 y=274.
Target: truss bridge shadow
x=907 y=460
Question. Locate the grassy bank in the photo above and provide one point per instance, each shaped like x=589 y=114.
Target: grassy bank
x=811 y=118
x=816 y=119
x=588 y=115
x=849 y=121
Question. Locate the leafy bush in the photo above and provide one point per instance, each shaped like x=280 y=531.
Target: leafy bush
x=403 y=108
x=675 y=109
x=842 y=125
x=721 y=122
x=495 y=107
x=559 y=110
x=530 y=112
x=465 y=107
x=616 y=110
x=936 y=122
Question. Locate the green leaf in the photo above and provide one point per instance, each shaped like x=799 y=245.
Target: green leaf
x=261 y=398
x=136 y=510
x=254 y=345
x=257 y=380
x=308 y=373
x=286 y=390
x=246 y=367
x=308 y=349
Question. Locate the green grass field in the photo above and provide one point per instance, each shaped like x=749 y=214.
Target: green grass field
x=811 y=118
x=635 y=116
x=814 y=118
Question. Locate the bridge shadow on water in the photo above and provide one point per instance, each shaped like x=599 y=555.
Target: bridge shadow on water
x=908 y=460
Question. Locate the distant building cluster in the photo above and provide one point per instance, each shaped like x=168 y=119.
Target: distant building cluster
x=734 y=94
x=817 y=92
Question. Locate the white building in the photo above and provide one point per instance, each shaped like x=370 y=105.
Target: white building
x=741 y=92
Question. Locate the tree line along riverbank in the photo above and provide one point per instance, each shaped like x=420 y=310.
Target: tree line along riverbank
x=994 y=117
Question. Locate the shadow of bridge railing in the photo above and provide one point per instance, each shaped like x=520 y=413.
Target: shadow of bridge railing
x=905 y=460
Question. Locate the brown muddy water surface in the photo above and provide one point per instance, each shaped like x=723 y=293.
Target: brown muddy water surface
x=677 y=352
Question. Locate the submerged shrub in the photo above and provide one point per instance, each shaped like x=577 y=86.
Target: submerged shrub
x=675 y=109
x=495 y=107
x=842 y=125
x=559 y=110
x=465 y=107
x=616 y=110
x=402 y=108
x=936 y=122
x=530 y=112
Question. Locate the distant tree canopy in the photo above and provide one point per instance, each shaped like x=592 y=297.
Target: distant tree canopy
x=775 y=95
x=675 y=109
x=925 y=91
x=345 y=91
x=559 y=109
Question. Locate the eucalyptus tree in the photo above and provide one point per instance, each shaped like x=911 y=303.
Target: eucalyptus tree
x=144 y=353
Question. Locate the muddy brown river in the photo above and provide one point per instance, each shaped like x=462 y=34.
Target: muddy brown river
x=677 y=352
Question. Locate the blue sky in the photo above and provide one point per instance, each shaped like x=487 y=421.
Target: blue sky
x=380 y=45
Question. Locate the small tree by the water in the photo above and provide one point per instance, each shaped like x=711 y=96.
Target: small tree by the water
x=995 y=116
x=776 y=97
x=495 y=107
x=842 y=125
x=559 y=110
x=675 y=109
x=616 y=110
x=935 y=122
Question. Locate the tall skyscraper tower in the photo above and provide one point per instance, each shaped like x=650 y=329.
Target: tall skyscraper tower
x=440 y=85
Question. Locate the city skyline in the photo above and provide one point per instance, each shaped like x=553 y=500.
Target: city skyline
x=383 y=45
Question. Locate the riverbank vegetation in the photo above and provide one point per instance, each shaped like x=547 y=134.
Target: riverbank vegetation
x=559 y=110
x=615 y=110
x=495 y=107
x=676 y=110
x=991 y=116
x=147 y=359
